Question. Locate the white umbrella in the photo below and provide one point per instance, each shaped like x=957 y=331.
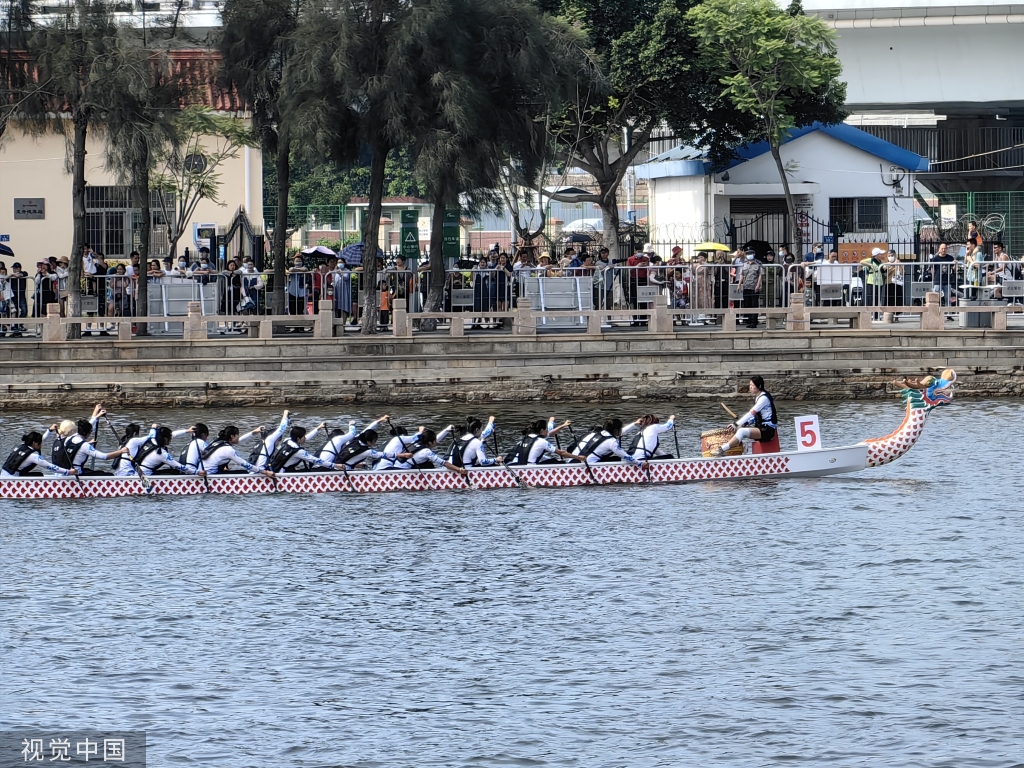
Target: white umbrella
x=321 y=249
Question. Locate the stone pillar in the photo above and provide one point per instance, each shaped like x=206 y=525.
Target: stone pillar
x=525 y=324
x=51 y=326
x=323 y=326
x=458 y=326
x=593 y=324
x=662 y=321
x=797 y=318
x=932 y=318
x=266 y=329
x=402 y=328
x=999 y=320
x=195 y=325
x=124 y=331
x=729 y=321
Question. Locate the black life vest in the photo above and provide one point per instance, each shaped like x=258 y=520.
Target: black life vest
x=415 y=448
x=351 y=450
x=259 y=450
x=281 y=456
x=212 y=448
x=456 y=454
x=773 y=422
x=116 y=463
x=589 y=444
x=64 y=451
x=521 y=453
x=634 y=442
x=17 y=458
x=146 y=450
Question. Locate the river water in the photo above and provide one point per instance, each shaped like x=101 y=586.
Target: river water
x=873 y=619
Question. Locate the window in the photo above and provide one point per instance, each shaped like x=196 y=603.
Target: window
x=858 y=214
x=112 y=223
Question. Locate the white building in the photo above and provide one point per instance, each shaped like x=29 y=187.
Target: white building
x=841 y=177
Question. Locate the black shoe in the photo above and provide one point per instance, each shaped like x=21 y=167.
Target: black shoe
x=104 y=333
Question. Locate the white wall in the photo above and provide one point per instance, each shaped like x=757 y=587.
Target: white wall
x=676 y=208
x=34 y=167
x=838 y=168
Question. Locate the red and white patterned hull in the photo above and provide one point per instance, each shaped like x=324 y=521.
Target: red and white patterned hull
x=793 y=464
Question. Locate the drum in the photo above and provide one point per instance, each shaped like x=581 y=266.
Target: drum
x=712 y=438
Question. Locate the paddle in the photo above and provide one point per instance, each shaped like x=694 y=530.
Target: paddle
x=146 y=482
x=202 y=467
x=586 y=464
x=497 y=454
x=727 y=410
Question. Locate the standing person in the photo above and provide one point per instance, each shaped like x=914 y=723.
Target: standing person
x=45 y=289
x=19 y=303
x=942 y=272
x=637 y=272
x=503 y=284
x=6 y=294
x=763 y=417
x=772 y=283
x=892 y=271
x=298 y=288
x=873 y=279
x=342 y=285
x=751 y=277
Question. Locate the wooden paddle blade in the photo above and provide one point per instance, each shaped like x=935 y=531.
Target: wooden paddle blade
x=727 y=410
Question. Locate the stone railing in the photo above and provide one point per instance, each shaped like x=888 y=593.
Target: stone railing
x=523 y=321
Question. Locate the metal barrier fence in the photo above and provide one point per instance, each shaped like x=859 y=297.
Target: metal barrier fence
x=695 y=293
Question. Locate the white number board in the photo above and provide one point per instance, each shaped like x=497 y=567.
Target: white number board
x=808 y=434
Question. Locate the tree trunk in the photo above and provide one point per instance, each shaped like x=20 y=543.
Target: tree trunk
x=609 y=218
x=435 y=296
x=371 y=228
x=81 y=123
x=142 y=201
x=797 y=246
x=281 y=223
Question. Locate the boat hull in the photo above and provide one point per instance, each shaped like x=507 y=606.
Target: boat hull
x=829 y=461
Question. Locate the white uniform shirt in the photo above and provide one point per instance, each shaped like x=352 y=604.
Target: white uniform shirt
x=35 y=460
x=225 y=456
x=474 y=453
x=763 y=406
x=541 y=449
x=649 y=445
x=304 y=455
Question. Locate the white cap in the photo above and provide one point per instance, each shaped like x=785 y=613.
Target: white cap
x=648 y=248
x=877 y=252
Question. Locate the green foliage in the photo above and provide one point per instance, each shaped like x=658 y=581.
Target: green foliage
x=770 y=63
x=187 y=169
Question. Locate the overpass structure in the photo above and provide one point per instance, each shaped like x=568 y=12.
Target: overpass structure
x=902 y=55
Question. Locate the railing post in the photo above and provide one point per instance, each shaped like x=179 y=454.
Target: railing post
x=999 y=320
x=266 y=329
x=195 y=326
x=402 y=328
x=124 y=330
x=932 y=318
x=797 y=318
x=593 y=324
x=51 y=326
x=525 y=325
x=729 y=321
x=457 y=326
x=323 y=326
x=662 y=320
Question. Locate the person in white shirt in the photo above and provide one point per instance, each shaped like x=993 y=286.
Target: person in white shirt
x=77 y=449
x=468 y=451
x=534 y=448
x=339 y=439
x=603 y=444
x=759 y=423
x=647 y=444
x=220 y=454
x=26 y=458
x=421 y=455
x=290 y=455
x=265 y=448
x=153 y=455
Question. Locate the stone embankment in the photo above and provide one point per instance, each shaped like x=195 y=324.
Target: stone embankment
x=818 y=365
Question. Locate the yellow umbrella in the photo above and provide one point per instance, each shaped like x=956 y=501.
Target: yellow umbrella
x=711 y=247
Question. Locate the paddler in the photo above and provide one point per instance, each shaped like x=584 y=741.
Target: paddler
x=153 y=455
x=338 y=439
x=468 y=450
x=78 y=449
x=26 y=457
x=399 y=443
x=647 y=444
x=534 y=448
x=603 y=444
x=421 y=455
x=220 y=454
x=762 y=418
x=360 y=449
x=290 y=455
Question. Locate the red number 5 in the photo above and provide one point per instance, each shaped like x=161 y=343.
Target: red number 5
x=808 y=437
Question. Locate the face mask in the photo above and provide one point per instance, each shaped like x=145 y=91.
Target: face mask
x=750 y=257
x=181 y=264
x=892 y=258
x=205 y=265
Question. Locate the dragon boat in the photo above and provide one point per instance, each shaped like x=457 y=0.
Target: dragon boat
x=920 y=397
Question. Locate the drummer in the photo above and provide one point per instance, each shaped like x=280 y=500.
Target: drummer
x=763 y=418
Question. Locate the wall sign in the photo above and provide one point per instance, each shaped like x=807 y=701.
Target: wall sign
x=30 y=208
